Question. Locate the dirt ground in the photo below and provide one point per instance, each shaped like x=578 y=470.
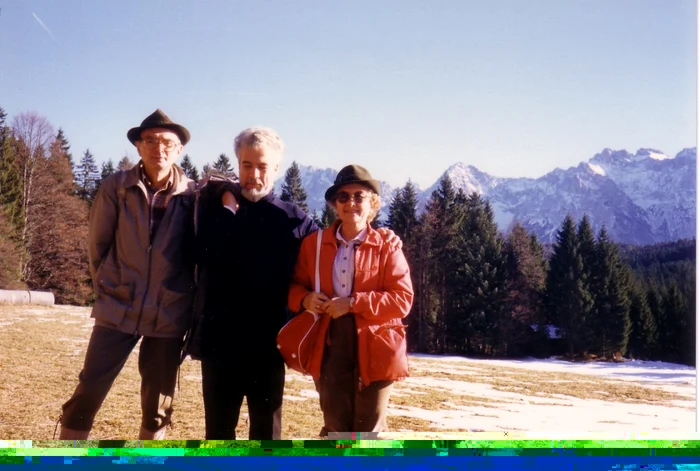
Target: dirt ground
x=42 y=350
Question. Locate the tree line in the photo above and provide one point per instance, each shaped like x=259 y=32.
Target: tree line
x=478 y=291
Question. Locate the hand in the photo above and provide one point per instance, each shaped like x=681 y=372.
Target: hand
x=227 y=199
x=390 y=237
x=336 y=307
x=314 y=302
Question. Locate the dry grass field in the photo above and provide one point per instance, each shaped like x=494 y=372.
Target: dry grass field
x=42 y=349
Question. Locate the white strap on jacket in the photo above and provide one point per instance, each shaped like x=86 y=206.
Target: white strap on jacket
x=317 y=279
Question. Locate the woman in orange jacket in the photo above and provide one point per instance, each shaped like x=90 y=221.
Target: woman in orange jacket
x=366 y=291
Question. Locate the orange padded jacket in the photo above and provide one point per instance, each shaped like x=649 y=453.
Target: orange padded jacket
x=383 y=295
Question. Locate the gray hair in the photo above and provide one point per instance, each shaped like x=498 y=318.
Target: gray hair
x=261 y=137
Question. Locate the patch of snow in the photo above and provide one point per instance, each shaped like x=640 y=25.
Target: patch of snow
x=658 y=156
x=632 y=370
x=596 y=169
x=557 y=413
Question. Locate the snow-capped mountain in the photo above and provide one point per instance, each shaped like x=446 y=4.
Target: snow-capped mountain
x=663 y=186
x=641 y=198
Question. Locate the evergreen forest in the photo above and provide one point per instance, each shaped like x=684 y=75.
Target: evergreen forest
x=479 y=291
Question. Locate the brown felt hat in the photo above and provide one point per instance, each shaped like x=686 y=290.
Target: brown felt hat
x=352 y=174
x=158 y=119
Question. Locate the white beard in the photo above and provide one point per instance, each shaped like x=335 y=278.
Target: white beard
x=255 y=195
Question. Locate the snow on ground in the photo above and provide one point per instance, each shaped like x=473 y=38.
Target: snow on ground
x=558 y=413
x=631 y=370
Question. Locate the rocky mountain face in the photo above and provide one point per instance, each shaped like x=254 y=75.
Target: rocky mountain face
x=641 y=198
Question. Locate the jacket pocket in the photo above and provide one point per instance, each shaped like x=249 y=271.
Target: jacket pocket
x=112 y=303
x=122 y=293
x=386 y=346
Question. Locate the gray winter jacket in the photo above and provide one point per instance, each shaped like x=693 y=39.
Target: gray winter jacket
x=143 y=287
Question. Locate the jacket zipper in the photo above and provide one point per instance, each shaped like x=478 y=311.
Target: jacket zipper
x=145 y=294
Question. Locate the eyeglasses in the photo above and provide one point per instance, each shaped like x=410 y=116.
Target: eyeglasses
x=343 y=197
x=153 y=143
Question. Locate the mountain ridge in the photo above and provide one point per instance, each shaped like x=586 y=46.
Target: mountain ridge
x=641 y=198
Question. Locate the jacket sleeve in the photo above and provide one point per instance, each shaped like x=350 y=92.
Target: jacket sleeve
x=395 y=301
x=301 y=283
x=102 y=225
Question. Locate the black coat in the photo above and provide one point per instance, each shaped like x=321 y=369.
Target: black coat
x=245 y=264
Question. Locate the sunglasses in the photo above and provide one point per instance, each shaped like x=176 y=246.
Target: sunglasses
x=343 y=197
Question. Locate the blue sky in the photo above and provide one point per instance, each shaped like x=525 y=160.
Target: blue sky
x=405 y=88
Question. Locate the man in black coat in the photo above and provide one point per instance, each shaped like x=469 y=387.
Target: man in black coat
x=248 y=244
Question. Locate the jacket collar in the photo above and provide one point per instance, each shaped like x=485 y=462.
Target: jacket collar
x=372 y=238
x=182 y=184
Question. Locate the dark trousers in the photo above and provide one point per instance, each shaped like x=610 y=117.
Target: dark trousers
x=346 y=407
x=224 y=386
x=107 y=352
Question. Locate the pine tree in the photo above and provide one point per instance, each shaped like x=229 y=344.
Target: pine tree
x=526 y=282
x=612 y=302
x=315 y=218
x=590 y=317
x=403 y=220
x=672 y=332
x=87 y=177
x=643 y=336
x=442 y=220
x=189 y=168
x=376 y=223
x=480 y=280
x=65 y=148
x=11 y=190
x=328 y=216
x=422 y=336
x=223 y=167
x=62 y=145
x=106 y=170
x=10 y=194
x=292 y=188
x=566 y=297
x=125 y=164
x=10 y=257
x=658 y=314
x=403 y=217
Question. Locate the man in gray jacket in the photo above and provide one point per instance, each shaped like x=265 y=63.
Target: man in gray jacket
x=141 y=237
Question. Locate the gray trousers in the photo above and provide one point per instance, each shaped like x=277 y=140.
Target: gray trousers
x=107 y=352
x=345 y=407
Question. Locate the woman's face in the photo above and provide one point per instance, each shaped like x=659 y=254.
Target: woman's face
x=352 y=204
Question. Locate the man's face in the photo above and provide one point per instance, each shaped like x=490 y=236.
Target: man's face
x=257 y=172
x=158 y=149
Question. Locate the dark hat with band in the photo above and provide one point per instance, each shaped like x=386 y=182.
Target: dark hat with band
x=158 y=119
x=352 y=174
